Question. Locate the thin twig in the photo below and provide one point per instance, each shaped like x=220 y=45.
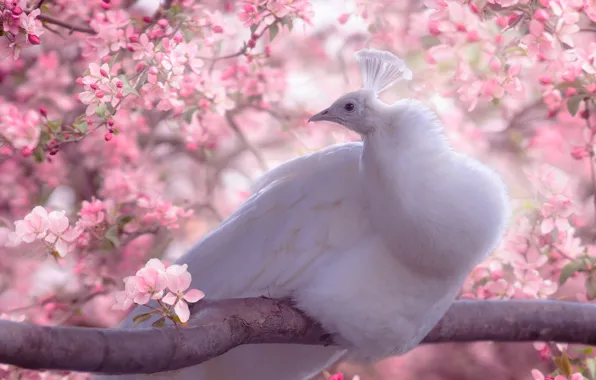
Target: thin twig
x=72 y=28
x=245 y=142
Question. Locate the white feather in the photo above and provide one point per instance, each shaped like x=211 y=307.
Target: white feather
x=380 y=69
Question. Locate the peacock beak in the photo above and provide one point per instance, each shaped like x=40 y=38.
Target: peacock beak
x=323 y=115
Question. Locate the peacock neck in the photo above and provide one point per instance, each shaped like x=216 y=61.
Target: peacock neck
x=400 y=169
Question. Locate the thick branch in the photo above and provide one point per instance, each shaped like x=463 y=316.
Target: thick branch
x=218 y=326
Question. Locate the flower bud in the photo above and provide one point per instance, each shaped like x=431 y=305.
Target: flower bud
x=571 y=91
x=545 y=80
x=33 y=39
x=579 y=153
x=541 y=15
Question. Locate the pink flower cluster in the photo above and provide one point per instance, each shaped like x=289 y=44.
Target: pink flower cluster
x=100 y=88
x=168 y=286
x=21 y=130
x=537 y=375
x=255 y=11
x=162 y=212
x=53 y=229
x=21 y=29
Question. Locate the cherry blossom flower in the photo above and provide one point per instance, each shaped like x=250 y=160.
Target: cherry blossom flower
x=91 y=214
x=60 y=234
x=33 y=226
x=21 y=130
x=178 y=282
x=249 y=15
x=144 y=49
x=151 y=281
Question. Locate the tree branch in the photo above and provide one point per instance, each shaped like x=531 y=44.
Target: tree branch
x=72 y=28
x=218 y=326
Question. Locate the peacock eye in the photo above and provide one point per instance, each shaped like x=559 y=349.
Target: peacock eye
x=349 y=107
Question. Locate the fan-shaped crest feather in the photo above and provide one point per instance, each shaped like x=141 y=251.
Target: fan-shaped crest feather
x=380 y=69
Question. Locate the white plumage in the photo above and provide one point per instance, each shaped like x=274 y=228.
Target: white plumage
x=373 y=239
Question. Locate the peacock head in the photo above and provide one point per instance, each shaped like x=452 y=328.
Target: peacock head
x=354 y=110
x=357 y=110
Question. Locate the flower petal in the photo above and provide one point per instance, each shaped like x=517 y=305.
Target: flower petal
x=169 y=299
x=58 y=221
x=194 y=295
x=182 y=311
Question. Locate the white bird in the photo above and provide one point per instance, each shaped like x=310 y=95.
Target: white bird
x=372 y=239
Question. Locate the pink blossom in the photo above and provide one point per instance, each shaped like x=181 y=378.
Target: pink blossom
x=91 y=213
x=249 y=15
x=30 y=24
x=33 y=226
x=178 y=281
x=144 y=49
x=151 y=281
x=60 y=234
x=21 y=130
x=163 y=212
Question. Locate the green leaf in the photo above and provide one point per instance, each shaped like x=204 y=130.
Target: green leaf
x=39 y=154
x=55 y=125
x=115 y=131
x=568 y=271
x=101 y=110
x=555 y=235
x=273 y=30
x=516 y=49
x=141 y=318
x=429 y=41
x=122 y=220
x=175 y=9
x=177 y=320
x=160 y=322
x=573 y=104
x=44 y=138
x=590 y=288
x=563 y=363
x=288 y=21
x=112 y=235
x=565 y=85
x=591 y=364
x=81 y=127
x=128 y=88
x=113 y=60
x=253 y=28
